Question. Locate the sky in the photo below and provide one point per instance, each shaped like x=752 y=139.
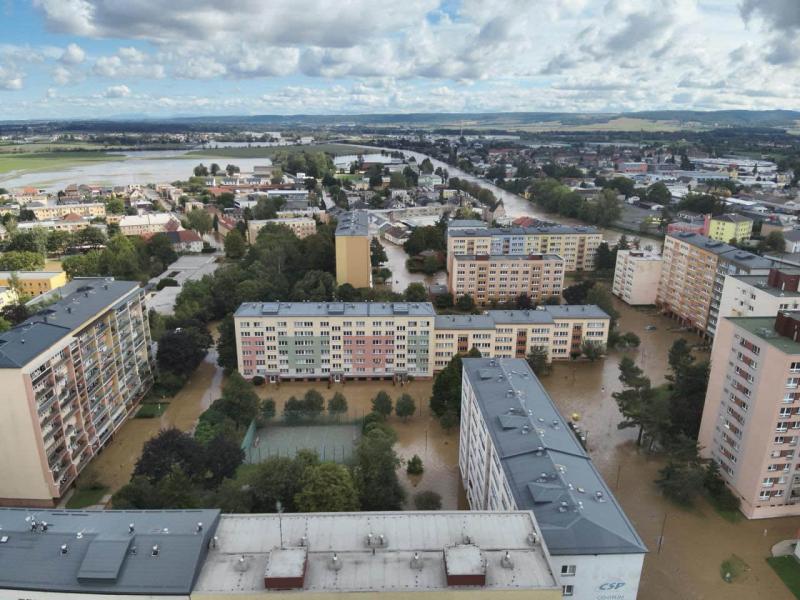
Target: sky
x=158 y=58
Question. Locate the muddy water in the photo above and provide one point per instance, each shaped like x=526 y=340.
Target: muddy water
x=420 y=434
x=401 y=276
x=115 y=463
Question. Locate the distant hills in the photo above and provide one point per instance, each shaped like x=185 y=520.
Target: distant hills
x=532 y=122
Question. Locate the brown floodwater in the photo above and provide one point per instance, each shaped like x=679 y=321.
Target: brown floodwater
x=401 y=276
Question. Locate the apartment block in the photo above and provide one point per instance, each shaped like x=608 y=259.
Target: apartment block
x=751 y=417
x=760 y=295
x=148 y=224
x=300 y=226
x=377 y=340
x=636 y=277
x=577 y=246
x=728 y=227
x=334 y=340
x=205 y=555
x=352 y=250
x=516 y=452
x=59 y=211
x=693 y=275
x=34 y=283
x=561 y=330
x=503 y=278
x=71 y=375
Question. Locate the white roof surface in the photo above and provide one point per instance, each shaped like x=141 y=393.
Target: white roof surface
x=377 y=568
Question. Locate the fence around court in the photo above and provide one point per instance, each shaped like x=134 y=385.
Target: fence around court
x=332 y=438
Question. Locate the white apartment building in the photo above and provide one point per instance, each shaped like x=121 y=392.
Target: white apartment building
x=636 y=277
x=516 y=452
x=760 y=295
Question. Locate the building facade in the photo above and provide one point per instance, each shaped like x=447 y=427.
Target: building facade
x=636 y=277
x=149 y=223
x=300 y=226
x=34 y=283
x=71 y=374
x=577 y=246
x=504 y=278
x=751 y=416
x=59 y=211
x=352 y=250
x=728 y=227
x=516 y=452
x=377 y=340
x=760 y=295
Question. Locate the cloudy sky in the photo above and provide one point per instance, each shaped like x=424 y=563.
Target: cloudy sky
x=77 y=58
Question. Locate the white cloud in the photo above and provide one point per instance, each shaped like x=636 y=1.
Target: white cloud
x=10 y=79
x=73 y=55
x=117 y=91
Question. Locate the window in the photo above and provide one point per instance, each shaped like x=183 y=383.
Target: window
x=568 y=570
x=567 y=590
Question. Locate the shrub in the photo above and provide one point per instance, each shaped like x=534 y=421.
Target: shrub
x=258 y=380
x=415 y=466
x=427 y=500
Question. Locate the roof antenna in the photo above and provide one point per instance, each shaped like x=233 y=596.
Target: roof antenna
x=279 y=508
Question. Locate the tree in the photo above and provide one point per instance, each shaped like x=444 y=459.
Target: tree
x=222 y=457
x=278 y=479
x=632 y=401
x=327 y=487
x=199 y=220
x=201 y=170
x=443 y=300
x=684 y=476
x=182 y=349
x=231 y=169
x=235 y=245
x=414 y=466
x=689 y=381
x=267 y=410
x=315 y=286
x=774 y=242
x=592 y=349
x=427 y=500
x=604 y=257
x=239 y=401
x=58 y=241
x=337 y=405
x=426 y=166
x=313 y=404
x=416 y=292
x=20 y=260
x=659 y=193
x=576 y=293
x=377 y=253
x=446 y=393
x=425 y=238
x=226 y=345
x=170 y=448
x=465 y=303
x=382 y=404
x=601 y=297
x=214 y=168
x=14 y=314
x=375 y=472
x=293 y=410
x=538 y=360
x=405 y=406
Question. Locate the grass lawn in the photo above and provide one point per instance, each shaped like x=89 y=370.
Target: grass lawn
x=84 y=498
x=51 y=161
x=152 y=410
x=732 y=568
x=788 y=570
x=271 y=151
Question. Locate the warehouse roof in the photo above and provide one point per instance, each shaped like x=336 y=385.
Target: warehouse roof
x=347 y=309
x=82 y=299
x=95 y=552
x=375 y=552
x=546 y=467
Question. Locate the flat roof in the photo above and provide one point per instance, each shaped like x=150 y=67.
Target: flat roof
x=547 y=469
x=702 y=242
x=30 y=274
x=468 y=223
x=464 y=322
x=512 y=231
x=543 y=314
x=102 y=555
x=81 y=300
x=577 y=311
x=731 y=218
x=335 y=309
x=389 y=567
x=761 y=283
x=354 y=223
x=764 y=328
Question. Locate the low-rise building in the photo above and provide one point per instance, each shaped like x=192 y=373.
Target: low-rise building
x=185 y=240
x=59 y=211
x=301 y=226
x=71 y=375
x=505 y=277
x=751 y=415
x=34 y=283
x=636 y=276
x=729 y=227
x=516 y=452
x=149 y=223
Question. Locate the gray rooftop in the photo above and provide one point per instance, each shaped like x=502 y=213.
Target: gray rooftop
x=467 y=223
x=577 y=311
x=335 y=309
x=547 y=469
x=371 y=567
x=512 y=231
x=464 y=322
x=702 y=242
x=543 y=314
x=102 y=556
x=30 y=274
x=731 y=218
x=82 y=299
x=354 y=223
x=761 y=282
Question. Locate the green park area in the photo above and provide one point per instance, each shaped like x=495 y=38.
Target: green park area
x=28 y=162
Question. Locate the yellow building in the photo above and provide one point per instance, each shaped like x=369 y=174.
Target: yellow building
x=34 y=283
x=71 y=375
x=59 y=211
x=730 y=227
x=301 y=226
x=352 y=250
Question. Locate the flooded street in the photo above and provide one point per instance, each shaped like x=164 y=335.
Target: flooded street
x=401 y=276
